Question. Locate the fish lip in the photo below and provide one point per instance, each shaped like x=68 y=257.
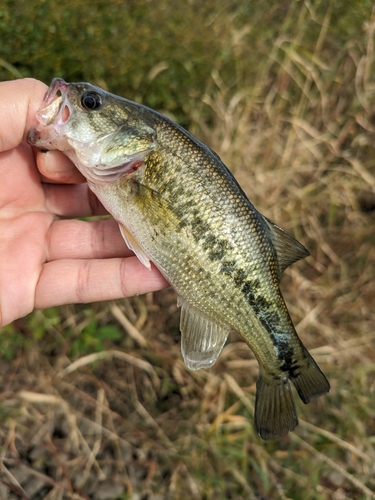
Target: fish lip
x=57 y=85
x=54 y=113
x=54 y=104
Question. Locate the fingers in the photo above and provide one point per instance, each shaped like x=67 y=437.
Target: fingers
x=19 y=101
x=75 y=200
x=54 y=166
x=22 y=251
x=75 y=239
x=83 y=281
x=63 y=198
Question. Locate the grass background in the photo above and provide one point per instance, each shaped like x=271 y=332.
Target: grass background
x=95 y=402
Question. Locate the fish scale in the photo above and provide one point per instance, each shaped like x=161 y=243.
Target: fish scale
x=178 y=206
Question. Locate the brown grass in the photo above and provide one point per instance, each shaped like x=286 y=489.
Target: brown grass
x=132 y=421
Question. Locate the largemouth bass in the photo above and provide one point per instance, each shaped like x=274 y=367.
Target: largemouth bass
x=178 y=206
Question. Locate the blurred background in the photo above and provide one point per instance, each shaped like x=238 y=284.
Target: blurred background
x=95 y=401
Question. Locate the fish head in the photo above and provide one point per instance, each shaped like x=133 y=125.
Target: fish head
x=101 y=133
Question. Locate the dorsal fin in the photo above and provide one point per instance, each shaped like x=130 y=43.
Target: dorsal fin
x=202 y=339
x=288 y=249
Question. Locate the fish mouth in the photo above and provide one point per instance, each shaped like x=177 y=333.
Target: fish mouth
x=53 y=114
x=57 y=108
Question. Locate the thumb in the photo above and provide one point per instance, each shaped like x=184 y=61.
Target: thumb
x=19 y=102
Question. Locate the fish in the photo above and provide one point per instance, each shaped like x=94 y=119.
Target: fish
x=179 y=207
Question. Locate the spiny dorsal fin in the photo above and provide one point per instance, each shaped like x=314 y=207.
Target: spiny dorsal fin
x=202 y=339
x=288 y=249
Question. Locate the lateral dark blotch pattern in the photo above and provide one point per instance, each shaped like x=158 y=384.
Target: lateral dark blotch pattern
x=286 y=355
x=239 y=277
x=285 y=352
x=217 y=248
x=228 y=267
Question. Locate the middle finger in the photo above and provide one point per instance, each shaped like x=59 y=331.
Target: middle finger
x=75 y=239
x=72 y=200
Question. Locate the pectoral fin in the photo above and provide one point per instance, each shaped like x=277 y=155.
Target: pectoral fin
x=288 y=249
x=133 y=244
x=202 y=339
x=128 y=141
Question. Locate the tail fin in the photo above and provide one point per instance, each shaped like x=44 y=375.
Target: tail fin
x=275 y=413
x=310 y=382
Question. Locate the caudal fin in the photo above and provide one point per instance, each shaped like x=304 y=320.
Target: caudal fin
x=310 y=382
x=275 y=413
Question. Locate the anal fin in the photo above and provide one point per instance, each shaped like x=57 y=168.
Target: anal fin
x=310 y=381
x=133 y=244
x=202 y=339
x=275 y=412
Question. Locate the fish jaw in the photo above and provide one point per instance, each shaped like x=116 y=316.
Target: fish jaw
x=52 y=118
x=56 y=95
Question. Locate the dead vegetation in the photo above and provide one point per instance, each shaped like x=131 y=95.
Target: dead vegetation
x=125 y=419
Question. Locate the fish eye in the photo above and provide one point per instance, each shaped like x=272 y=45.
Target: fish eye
x=91 y=100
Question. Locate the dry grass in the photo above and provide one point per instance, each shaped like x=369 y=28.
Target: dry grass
x=131 y=422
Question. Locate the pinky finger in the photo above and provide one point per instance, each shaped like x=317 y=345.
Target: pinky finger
x=83 y=281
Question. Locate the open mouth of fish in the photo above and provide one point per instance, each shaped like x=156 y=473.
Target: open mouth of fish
x=52 y=117
x=56 y=106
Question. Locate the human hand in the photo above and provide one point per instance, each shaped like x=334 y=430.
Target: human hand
x=46 y=261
